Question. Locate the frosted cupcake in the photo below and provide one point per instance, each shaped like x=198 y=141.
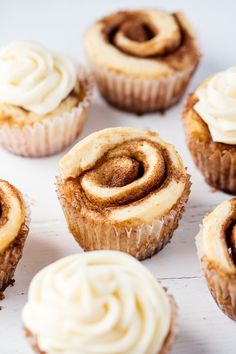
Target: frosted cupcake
x=123 y=189
x=44 y=100
x=95 y=303
x=142 y=59
x=216 y=243
x=13 y=231
x=210 y=122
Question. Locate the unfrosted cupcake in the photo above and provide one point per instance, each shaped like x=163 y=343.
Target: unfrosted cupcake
x=44 y=99
x=210 y=122
x=95 y=303
x=142 y=59
x=13 y=231
x=123 y=189
x=216 y=243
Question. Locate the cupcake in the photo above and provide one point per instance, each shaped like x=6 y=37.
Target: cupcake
x=210 y=122
x=94 y=303
x=13 y=231
x=123 y=189
x=142 y=59
x=44 y=100
x=216 y=243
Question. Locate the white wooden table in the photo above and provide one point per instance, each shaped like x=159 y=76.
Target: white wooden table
x=60 y=26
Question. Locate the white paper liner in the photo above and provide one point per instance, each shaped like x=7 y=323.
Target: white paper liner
x=141 y=241
x=221 y=285
x=141 y=95
x=49 y=136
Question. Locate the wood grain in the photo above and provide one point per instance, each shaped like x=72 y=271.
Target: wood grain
x=60 y=26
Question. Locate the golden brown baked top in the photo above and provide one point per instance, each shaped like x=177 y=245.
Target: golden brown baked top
x=127 y=40
x=217 y=238
x=123 y=174
x=16 y=115
x=196 y=128
x=12 y=213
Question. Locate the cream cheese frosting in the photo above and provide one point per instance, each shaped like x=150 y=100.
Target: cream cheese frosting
x=34 y=78
x=97 y=302
x=162 y=193
x=217 y=105
x=12 y=214
x=211 y=240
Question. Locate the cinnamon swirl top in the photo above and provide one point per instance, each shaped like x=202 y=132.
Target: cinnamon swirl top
x=124 y=174
x=138 y=42
x=12 y=213
x=218 y=236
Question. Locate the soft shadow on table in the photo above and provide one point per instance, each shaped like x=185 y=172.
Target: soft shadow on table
x=38 y=253
x=187 y=338
x=101 y=116
x=207 y=67
x=182 y=248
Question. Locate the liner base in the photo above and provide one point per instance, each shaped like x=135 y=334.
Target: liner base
x=141 y=241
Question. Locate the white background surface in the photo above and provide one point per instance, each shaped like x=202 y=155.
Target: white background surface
x=60 y=26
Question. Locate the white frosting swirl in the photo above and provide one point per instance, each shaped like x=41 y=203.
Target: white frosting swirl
x=97 y=302
x=33 y=78
x=217 y=106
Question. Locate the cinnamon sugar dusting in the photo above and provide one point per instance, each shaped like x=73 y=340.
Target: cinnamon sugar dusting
x=122 y=166
x=4 y=208
x=117 y=172
x=229 y=230
x=178 y=52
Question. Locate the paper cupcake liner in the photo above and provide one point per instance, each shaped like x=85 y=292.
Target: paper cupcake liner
x=50 y=135
x=216 y=163
x=221 y=285
x=217 y=166
x=13 y=253
x=141 y=95
x=141 y=241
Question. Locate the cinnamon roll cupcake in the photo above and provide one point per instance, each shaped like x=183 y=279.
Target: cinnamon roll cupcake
x=216 y=243
x=123 y=189
x=13 y=231
x=142 y=59
x=44 y=100
x=210 y=122
x=94 y=303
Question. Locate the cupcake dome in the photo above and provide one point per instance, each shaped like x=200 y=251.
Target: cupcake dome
x=44 y=99
x=216 y=243
x=95 y=303
x=210 y=122
x=142 y=59
x=13 y=231
x=123 y=189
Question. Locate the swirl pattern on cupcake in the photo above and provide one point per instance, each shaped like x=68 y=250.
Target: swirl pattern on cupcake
x=33 y=78
x=218 y=236
x=216 y=105
x=147 y=33
x=12 y=213
x=95 y=303
x=152 y=42
x=124 y=174
x=216 y=244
